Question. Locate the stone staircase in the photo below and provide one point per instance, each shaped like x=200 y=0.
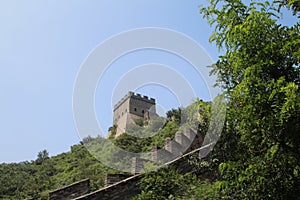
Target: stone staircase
x=124 y=186
x=183 y=143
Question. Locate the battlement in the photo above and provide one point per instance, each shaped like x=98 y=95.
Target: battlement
x=131 y=107
x=134 y=96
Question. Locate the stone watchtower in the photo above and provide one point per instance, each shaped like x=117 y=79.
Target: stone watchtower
x=130 y=108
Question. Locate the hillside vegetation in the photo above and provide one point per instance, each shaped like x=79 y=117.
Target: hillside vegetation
x=258 y=153
x=37 y=178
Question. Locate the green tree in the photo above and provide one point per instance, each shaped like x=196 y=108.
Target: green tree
x=42 y=155
x=166 y=183
x=259 y=71
x=174 y=115
x=201 y=190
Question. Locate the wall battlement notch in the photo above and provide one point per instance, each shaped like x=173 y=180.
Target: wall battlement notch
x=135 y=96
x=131 y=107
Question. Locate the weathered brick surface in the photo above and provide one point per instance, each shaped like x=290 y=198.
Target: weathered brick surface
x=111 y=179
x=161 y=155
x=123 y=190
x=71 y=191
x=137 y=165
x=130 y=108
x=184 y=141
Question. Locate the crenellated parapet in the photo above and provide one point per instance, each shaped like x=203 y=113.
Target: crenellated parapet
x=143 y=98
x=131 y=107
x=134 y=96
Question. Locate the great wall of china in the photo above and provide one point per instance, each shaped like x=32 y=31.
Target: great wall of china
x=124 y=186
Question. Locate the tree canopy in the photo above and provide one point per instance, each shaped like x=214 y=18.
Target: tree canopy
x=258 y=154
x=260 y=73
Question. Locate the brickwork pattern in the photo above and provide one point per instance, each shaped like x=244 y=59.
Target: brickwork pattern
x=71 y=191
x=111 y=179
x=131 y=107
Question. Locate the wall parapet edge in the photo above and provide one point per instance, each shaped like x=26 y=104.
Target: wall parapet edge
x=135 y=96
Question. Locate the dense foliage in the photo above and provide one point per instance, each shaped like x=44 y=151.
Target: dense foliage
x=260 y=74
x=170 y=183
x=37 y=178
x=258 y=154
x=128 y=141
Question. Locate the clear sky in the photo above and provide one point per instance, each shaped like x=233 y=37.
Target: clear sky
x=43 y=45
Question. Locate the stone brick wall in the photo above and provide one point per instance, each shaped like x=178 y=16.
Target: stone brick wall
x=111 y=179
x=124 y=190
x=184 y=142
x=129 y=108
x=121 y=108
x=140 y=105
x=137 y=165
x=123 y=186
x=71 y=191
x=134 y=104
x=129 y=188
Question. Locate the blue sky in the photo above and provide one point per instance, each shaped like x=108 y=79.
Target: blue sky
x=43 y=45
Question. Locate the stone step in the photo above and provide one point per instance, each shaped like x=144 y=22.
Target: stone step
x=190 y=134
x=184 y=141
x=196 y=140
x=161 y=155
x=174 y=147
